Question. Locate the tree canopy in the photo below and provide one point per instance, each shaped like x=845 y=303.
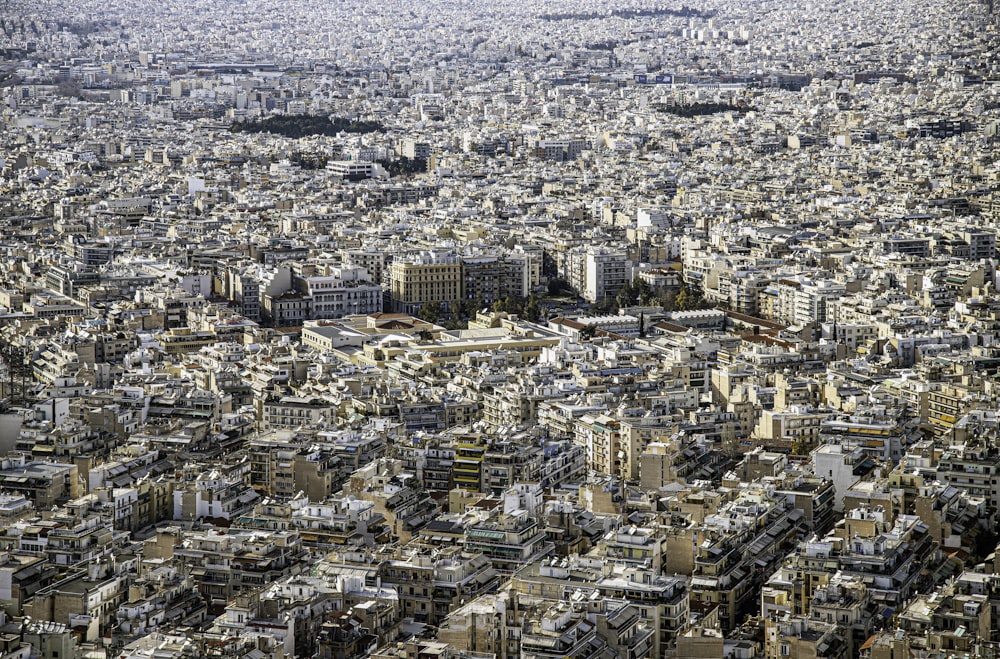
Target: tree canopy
x=699 y=109
x=304 y=125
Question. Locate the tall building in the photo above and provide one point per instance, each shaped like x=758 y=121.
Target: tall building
x=243 y=288
x=434 y=277
x=483 y=278
x=371 y=259
x=597 y=272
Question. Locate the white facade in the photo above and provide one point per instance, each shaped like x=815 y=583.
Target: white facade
x=607 y=271
x=347 y=291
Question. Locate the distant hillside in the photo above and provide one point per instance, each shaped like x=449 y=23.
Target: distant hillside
x=700 y=109
x=684 y=12
x=295 y=126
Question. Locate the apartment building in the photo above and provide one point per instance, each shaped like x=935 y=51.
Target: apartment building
x=427 y=277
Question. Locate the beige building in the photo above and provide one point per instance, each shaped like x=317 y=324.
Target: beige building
x=86 y=600
x=803 y=639
x=429 y=277
x=482 y=625
x=656 y=466
x=45 y=484
x=700 y=643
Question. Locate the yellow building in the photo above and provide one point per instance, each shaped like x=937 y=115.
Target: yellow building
x=427 y=278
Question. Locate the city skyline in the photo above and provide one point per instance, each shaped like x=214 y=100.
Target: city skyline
x=499 y=330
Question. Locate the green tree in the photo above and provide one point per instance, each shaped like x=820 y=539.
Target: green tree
x=472 y=307
x=510 y=304
x=430 y=311
x=404 y=166
x=684 y=300
x=532 y=310
x=645 y=292
x=455 y=316
x=627 y=295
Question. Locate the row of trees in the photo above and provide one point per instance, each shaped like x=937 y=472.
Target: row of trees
x=636 y=292
x=459 y=313
x=404 y=166
x=527 y=308
x=308 y=160
x=530 y=308
x=687 y=300
x=639 y=293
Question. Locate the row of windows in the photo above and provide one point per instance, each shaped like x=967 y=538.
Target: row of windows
x=416 y=270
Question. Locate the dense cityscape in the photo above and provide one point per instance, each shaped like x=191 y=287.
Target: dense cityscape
x=499 y=330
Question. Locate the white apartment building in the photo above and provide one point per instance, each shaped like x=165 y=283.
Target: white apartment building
x=348 y=290
x=596 y=272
